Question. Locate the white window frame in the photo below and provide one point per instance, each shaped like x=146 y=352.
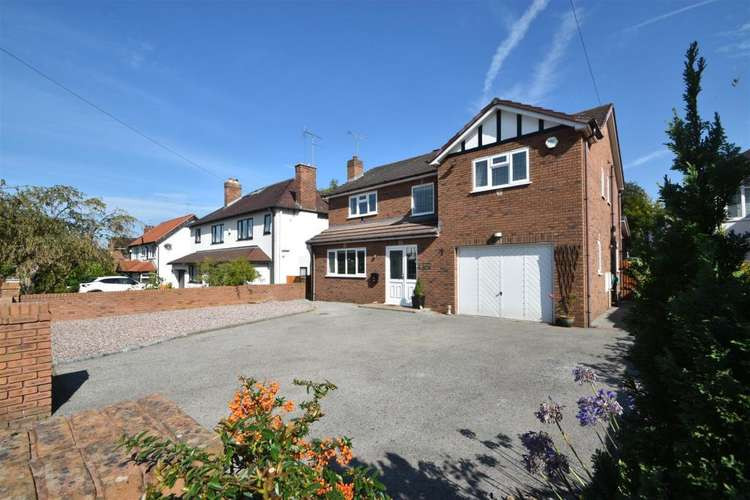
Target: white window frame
x=220 y=232
x=417 y=186
x=356 y=262
x=608 y=181
x=744 y=189
x=603 y=189
x=598 y=257
x=366 y=196
x=511 y=182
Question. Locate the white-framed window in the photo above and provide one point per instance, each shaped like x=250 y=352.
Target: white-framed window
x=267 y=224
x=197 y=235
x=423 y=199
x=739 y=204
x=501 y=170
x=150 y=252
x=363 y=204
x=603 y=186
x=598 y=256
x=347 y=262
x=608 y=189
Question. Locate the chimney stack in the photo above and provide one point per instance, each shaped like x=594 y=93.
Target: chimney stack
x=354 y=168
x=232 y=190
x=307 y=189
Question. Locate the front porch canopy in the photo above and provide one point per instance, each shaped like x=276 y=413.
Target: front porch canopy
x=385 y=229
x=250 y=253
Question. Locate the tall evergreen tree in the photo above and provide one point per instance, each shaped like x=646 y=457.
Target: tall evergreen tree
x=688 y=433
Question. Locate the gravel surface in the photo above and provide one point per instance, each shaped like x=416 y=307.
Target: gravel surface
x=86 y=338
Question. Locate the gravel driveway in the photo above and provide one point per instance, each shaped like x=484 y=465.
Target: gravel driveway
x=435 y=403
x=86 y=338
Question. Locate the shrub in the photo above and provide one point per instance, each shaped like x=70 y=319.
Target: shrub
x=687 y=436
x=265 y=453
x=231 y=273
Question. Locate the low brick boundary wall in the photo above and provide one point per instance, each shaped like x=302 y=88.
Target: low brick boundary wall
x=25 y=364
x=63 y=306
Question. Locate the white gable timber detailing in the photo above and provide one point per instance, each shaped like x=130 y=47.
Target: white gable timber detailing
x=508 y=118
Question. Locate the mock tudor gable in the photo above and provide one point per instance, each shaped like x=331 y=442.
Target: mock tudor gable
x=503 y=120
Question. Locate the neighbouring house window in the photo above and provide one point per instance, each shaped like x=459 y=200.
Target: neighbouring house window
x=267 y=224
x=193 y=273
x=603 y=186
x=245 y=229
x=363 y=204
x=608 y=182
x=197 y=235
x=149 y=252
x=507 y=169
x=303 y=271
x=347 y=262
x=217 y=234
x=423 y=199
x=739 y=204
x=598 y=257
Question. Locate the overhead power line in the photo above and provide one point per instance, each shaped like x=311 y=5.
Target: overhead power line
x=107 y=113
x=585 y=52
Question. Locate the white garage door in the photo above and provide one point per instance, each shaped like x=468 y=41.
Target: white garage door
x=508 y=281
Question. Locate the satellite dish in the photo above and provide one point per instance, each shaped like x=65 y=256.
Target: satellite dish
x=551 y=142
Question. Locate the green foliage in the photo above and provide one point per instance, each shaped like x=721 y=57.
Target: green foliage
x=263 y=454
x=419 y=288
x=331 y=186
x=230 y=273
x=51 y=236
x=688 y=434
x=154 y=281
x=643 y=215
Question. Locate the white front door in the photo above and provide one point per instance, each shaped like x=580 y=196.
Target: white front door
x=401 y=274
x=508 y=281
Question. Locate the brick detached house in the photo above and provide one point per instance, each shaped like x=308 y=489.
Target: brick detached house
x=478 y=220
x=152 y=251
x=268 y=227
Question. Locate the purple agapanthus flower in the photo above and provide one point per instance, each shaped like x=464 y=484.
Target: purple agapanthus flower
x=549 y=413
x=601 y=406
x=543 y=455
x=584 y=375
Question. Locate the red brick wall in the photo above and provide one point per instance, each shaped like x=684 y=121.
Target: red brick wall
x=393 y=201
x=602 y=216
x=25 y=363
x=360 y=290
x=549 y=210
x=64 y=306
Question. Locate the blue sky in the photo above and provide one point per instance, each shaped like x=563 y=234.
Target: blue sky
x=231 y=85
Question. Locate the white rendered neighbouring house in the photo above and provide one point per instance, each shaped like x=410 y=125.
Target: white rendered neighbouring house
x=738 y=209
x=269 y=227
x=155 y=248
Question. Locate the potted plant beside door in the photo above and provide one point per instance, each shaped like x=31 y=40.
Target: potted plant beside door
x=417 y=299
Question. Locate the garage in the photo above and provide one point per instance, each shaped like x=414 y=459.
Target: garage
x=506 y=281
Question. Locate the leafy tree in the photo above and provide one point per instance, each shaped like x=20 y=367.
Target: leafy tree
x=331 y=186
x=687 y=435
x=52 y=236
x=232 y=273
x=642 y=214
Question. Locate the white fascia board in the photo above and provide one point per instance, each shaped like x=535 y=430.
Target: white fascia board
x=542 y=116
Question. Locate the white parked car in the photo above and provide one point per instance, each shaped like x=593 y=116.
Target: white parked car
x=111 y=284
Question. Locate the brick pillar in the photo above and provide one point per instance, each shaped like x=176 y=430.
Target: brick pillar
x=10 y=290
x=25 y=363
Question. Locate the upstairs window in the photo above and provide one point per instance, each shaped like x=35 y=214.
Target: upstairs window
x=423 y=199
x=245 y=229
x=503 y=170
x=347 y=262
x=363 y=204
x=267 y=224
x=197 y=235
x=217 y=234
x=739 y=204
x=149 y=252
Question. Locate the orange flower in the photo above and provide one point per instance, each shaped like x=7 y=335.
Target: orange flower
x=347 y=490
x=345 y=455
x=324 y=487
x=289 y=406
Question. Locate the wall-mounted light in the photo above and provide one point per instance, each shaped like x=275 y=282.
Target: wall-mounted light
x=497 y=235
x=551 y=142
